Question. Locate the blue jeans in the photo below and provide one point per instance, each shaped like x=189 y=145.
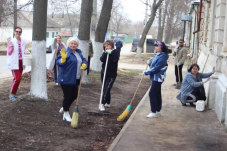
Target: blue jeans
x=55 y=73
x=155 y=96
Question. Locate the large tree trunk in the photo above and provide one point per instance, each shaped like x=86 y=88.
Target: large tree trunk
x=93 y=21
x=84 y=31
x=38 y=72
x=15 y=15
x=100 y=34
x=147 y=27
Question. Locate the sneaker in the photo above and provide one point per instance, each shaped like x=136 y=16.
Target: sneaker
x=107 y=105
x=12 y=98
x=61 y=110
x=101 y=108
x=151 y=115
x=158 y=114
x=56 y=83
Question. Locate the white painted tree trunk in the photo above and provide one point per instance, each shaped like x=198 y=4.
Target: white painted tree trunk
x=38 y=72
x=138 y=52
x=96 y=64
x=84 y=47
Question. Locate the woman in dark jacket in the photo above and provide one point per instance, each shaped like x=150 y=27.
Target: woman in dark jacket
x=111 y=72
x=70 y=63
x=157 y=72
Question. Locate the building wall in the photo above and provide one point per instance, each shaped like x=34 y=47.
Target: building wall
x=213 y=54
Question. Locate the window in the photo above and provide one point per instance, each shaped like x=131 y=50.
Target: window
x=52 y=34
x=47 y=34
x=56 y=33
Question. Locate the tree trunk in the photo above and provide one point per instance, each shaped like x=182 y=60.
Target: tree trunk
x=159 y=37
x=70 y=24
x=93 y=21
x=164 y=19
x=15 y=15
x=169 y=23
x=84 y=31
x=1 y=11
x=147 y=27
x=38 y=72
x=100 y=34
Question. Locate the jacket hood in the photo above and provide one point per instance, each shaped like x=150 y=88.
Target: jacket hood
x=165 y=55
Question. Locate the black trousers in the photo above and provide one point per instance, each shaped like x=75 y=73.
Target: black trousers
x=70 y=94
x=88 y=64
x=155 y=96
x=176 y=73
x=108 y=84
x=195 y=96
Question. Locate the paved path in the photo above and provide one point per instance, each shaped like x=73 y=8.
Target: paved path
x=178 y=129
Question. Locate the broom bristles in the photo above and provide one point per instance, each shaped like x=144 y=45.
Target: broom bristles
x=74 y=122
x=123 y=115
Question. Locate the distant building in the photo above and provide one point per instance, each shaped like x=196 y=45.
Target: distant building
x=25 y=21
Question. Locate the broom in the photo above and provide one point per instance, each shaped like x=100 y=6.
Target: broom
x=127 y=110
x=74 y=122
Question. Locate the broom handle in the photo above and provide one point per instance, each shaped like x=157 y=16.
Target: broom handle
x=137 y=88
x=205 y=63
x=77 y=101
x=104 y=79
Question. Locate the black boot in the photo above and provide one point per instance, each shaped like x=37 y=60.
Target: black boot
x=192 y=104
x=183 y=104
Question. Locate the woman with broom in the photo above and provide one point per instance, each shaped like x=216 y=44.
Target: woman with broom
x=70 y=62
x=157 y=72
x=111 y=71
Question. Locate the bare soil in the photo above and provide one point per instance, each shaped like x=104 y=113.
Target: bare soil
x=31 y=124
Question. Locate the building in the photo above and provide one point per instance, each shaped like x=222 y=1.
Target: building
x=207 y=38
x=25 y=21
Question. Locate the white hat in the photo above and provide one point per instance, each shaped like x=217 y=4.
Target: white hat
x=73 y=39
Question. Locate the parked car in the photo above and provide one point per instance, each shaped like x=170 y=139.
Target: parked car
x=149 y=47
x=49 y=42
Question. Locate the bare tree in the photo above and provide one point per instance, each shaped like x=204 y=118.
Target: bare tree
x=100 y=34
x=84 y=30
x=38 y=73
x=147 y=27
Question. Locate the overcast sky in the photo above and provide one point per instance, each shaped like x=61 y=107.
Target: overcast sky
x=134 y=9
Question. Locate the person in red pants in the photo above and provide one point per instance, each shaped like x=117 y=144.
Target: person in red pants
x=15 y=53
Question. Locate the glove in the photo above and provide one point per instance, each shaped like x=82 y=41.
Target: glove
x=63 y=55
x=108 y=51
x=149 y=62
x=84 y=66
x=143 y=73
x=178 y=64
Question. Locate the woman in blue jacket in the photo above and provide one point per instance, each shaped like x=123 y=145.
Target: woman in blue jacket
x=192 y=87
x=157 y=72
x=70 y=62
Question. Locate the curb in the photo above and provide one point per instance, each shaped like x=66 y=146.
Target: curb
x=117 y=139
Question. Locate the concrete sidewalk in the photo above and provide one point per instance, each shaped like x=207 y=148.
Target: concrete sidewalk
x=178 y=129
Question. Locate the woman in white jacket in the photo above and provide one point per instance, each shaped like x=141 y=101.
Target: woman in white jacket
x=15 y=53
x=56 y=48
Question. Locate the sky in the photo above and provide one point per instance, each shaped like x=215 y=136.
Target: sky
x=135 y=9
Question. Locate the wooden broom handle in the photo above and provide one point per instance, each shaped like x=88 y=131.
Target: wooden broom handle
x=205 y=63
x=79 y=88
x=137 y=88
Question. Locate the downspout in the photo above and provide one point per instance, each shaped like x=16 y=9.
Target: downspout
x=199 y=16
x=194 y=36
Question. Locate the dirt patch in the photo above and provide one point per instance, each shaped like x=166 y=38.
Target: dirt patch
x=2 y=53
x=35 y=124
